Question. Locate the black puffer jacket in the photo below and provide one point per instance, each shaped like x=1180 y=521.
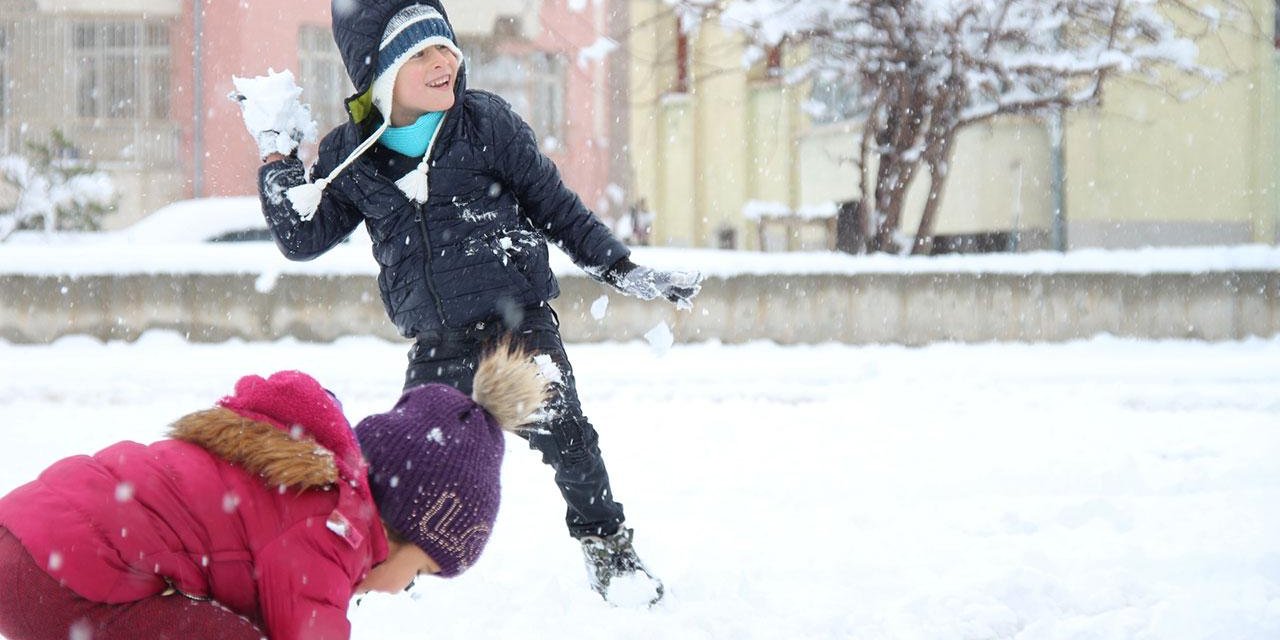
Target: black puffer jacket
x=477 y=249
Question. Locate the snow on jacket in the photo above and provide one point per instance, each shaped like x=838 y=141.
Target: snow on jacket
x=229 y=508
x=477 y=249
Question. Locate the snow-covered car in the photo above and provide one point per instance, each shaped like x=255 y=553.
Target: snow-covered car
x=197 y=221
x=228 y=219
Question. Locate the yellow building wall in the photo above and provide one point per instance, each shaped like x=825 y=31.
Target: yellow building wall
x=699 y=158
x=676 y=222
x=720 y=94
x=1146 y=169
x=999 y=178
x=999 y=182
x=647 y=80
x=771 y=144
x=1149 y=169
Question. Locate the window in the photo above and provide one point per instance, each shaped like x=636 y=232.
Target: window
x=323 y=78
x=533 y=82
x=836 y=95
x=4 y=71
x=123 y=70
x=773 y=62
x=547 y=95
x=682 y=60
x=769 y=66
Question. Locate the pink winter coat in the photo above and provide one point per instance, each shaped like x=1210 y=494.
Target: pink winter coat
x=276 y=526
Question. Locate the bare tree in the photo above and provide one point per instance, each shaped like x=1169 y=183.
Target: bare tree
x=920 y=71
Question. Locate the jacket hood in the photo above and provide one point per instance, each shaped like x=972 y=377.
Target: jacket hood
x=281 y=458
x=357 y=29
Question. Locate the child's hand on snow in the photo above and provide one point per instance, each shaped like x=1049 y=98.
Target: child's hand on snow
x=642 y=282
x=272 y=113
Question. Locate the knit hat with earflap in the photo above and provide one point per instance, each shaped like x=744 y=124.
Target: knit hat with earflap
x=435 y=458
x=413 y=29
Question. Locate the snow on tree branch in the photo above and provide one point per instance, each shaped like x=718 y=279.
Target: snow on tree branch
x=914 y=72
x=63 y=193
x=994 y=48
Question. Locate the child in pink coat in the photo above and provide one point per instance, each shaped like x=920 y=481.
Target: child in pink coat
x=260 y=517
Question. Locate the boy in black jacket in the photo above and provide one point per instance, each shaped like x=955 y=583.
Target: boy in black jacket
x=459 y=202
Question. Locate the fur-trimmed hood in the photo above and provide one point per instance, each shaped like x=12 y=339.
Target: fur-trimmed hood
x=282 y=458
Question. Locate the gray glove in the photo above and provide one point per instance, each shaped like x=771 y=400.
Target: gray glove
x=646 y=284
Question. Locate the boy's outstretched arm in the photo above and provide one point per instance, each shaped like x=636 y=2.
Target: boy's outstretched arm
x=278 y=123
x=300 y=239
x=642 y=282
x=559 y=213
x=554 y=210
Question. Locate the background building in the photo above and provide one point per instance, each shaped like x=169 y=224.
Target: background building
x=140 y=86
x=714 y=145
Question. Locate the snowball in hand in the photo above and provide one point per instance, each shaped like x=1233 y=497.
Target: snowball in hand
x=270 y=104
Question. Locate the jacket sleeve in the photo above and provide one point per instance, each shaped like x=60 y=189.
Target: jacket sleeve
x=549 y=204
x=336 y=218
x=303 y=587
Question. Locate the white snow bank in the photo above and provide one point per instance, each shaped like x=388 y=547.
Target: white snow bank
x=172 y=243
x=1105 y=489
x=84 y=258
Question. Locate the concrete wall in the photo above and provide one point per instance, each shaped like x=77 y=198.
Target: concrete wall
x=910 y=309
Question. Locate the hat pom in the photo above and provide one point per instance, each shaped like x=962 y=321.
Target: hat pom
x=415 y=184
x=509 y=385
x=305 y=198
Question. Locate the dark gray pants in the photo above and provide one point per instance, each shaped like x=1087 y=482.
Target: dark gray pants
x=567 y=441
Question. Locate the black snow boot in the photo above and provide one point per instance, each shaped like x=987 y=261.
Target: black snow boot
x=616 y=572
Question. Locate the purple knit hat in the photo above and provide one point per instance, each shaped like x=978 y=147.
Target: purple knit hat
x=434 y=464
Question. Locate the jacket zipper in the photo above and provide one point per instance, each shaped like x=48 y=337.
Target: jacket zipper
x=426 y=264
x=420 y=218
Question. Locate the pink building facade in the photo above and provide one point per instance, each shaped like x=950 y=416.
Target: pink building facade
x=247 y=38
x=141 y=85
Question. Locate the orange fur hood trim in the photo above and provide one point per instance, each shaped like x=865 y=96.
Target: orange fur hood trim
x=260 y=448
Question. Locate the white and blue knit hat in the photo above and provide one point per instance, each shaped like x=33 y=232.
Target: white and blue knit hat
x=412 y=29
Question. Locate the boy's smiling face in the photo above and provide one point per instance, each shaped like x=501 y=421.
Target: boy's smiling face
x=425 y=83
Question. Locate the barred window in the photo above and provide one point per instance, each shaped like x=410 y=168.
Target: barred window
x=547 y=94
x=682 y=60
x=123 y=69
x=533 y=82
x=324 y=80
x=835 y=96
x=4 y=71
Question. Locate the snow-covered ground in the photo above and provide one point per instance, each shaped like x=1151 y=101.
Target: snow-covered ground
x=1104 y=489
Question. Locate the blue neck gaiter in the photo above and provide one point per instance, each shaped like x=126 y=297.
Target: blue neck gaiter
x=412 y=140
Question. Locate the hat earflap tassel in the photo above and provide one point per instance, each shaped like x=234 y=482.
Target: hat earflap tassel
x=415 y=184
x=305 y=198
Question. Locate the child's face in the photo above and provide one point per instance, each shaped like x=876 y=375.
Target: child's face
x=425 y=83
x=405 y=561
